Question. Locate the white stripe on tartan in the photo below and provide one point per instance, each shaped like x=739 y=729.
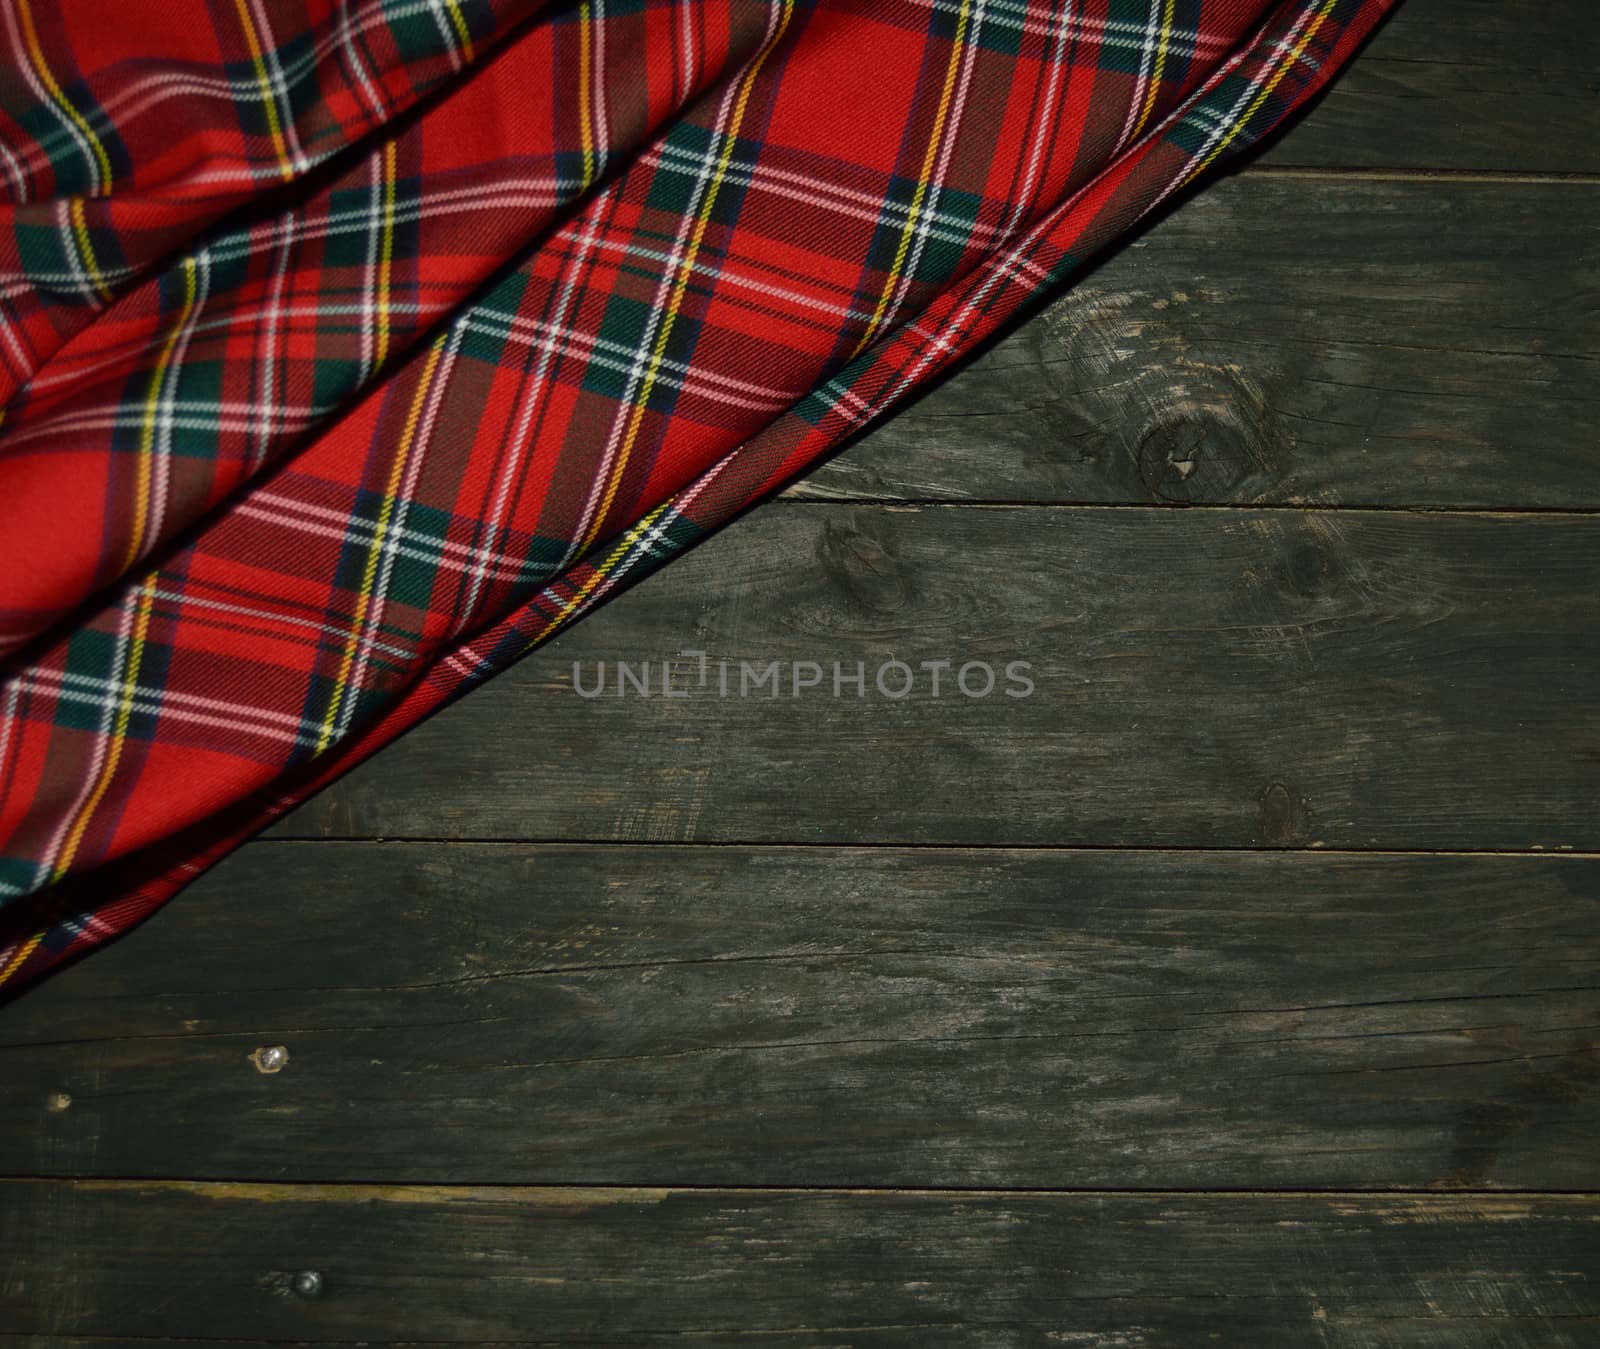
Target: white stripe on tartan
x=377 y=109
x=372 y=617
x=443 y=554
x=369 y=282
x=280 y=88
x=164 y=704
x=641 y=549
x=1122 y=33
x=112 y=357
x=510 y=194
x=540 y=193
x=1147 y=61
x=1060 y=47
x=691 y=56
x=16 y=173
x=161 y=466
x=1281 y=49
x=270 y=618
x=8 y=723
x=195 y=415
x=68 y=125
x=14 y=344
x=121 y=108
x=113 y=686
x=608 y=354
x=597 y=91
x=82 y=282
x=843 y=201
x=186 y=416
x=534 y=384
x=446 y=31
x=267 y=362
x=673 y=275
x=900 y=286
x=1015 y=265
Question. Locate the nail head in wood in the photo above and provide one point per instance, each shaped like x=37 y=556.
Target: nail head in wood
x=270 y=1058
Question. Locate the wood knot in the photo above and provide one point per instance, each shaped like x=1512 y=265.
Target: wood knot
x=865 y=567
x=1310 y=568
x=1144 y=394
x=1282 y=816
x=1204 y=458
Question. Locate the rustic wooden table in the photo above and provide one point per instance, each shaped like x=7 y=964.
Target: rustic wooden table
x=1237 y=986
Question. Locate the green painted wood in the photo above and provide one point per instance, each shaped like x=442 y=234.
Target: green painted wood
x=608 y=1266
x=1352 y=342
x=1201 y=678
x=495 y=1013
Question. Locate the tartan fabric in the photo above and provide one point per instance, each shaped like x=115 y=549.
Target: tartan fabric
x=356 y=446
x=127 y=128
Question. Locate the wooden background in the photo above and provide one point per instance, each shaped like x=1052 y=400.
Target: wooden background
x=1238 y=987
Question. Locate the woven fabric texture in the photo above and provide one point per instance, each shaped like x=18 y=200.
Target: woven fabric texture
x=348 y=351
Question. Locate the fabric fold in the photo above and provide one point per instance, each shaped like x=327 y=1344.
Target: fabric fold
x=126 y=130
x=879 y=188
x=205 y=375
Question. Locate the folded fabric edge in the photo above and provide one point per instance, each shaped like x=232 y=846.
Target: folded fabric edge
x=62 y=922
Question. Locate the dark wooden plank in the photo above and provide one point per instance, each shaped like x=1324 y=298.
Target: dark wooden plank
x=1464 y=84
x=619 y=1266
x=1201 y=678
x=788 y=1016
x=1353 y=341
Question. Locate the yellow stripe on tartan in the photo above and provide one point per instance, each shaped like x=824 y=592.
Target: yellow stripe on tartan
x=957 y=51
x=585 y=113
x=24 y=951
x=460 y=23
x=80 y=230
x=1267 y=90
x=385 y=255
x=681 y=284
x=570 y=609
x=603 y=571
x=369 y=573
x=144 y=602
x=1161 y=64
x=30 y=35
x=147 y=430
x=269 y=100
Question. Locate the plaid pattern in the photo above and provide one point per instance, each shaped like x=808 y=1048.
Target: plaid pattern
x=125 y=129
x=362 y=446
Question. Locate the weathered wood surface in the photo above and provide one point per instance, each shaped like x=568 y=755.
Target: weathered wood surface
x=1202 y=678
x=1352 y=342
x=1330 y=328
x=810 y=1016
x=607 y=1266
x=1507 y=85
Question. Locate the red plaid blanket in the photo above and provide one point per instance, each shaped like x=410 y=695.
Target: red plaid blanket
x=348 y=350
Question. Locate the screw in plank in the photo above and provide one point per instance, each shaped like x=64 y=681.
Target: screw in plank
x=307 y=1283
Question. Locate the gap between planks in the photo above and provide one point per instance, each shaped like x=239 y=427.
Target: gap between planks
x=904 y=503
x=1508 y=177
x=827 y=846
x=446 y=1191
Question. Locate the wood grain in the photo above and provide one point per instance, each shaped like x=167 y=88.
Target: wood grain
x=1396 y=306
x=1202 y=678
x=1463 y=85
x=1353 y=342
x=800 y=1015
x=608 y=1266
